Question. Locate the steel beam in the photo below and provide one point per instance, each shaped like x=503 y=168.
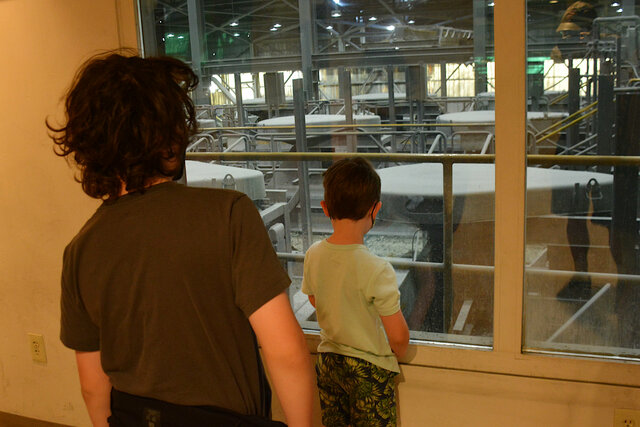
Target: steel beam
x=306 y=45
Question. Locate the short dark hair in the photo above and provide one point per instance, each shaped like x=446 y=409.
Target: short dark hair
x=125 y=117
x=351 y=188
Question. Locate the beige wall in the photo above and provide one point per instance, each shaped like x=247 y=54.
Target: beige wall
x=41 y=207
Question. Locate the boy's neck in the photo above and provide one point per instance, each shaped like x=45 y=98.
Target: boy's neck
x=348 y=231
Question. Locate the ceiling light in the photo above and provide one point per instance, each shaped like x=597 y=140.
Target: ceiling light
x=180 y=37
x=336 y=14
x=329 y=27
x=615 y=4
x=619 y=10
x=492 y=4
x=337 y=2
x=373 y=18
x=397 y=48
x=236 y=34
x=273 y=29
x=234 y=24
x=411 y=21
x=391 y=27
x=553 y=1
x=170 y=35
x=277 y=25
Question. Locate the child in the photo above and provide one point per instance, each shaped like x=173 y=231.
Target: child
x=357 y=300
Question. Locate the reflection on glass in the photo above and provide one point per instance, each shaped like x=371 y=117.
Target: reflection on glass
x=372 y=77
x=582 y=263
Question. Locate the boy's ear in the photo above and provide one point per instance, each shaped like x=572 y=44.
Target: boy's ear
x=376 y=208
x=324 y=209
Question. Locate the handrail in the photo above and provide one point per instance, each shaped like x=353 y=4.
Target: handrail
x=366 y=125
x=532 y=159
x=376 y=157
x=568 y=125
x=566 y=119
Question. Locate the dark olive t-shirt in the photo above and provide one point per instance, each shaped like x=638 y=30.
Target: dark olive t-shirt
x=163 y=283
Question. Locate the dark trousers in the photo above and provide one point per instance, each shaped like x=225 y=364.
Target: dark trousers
x=128 y=410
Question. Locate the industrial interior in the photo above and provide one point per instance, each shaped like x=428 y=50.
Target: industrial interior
x=403 y=77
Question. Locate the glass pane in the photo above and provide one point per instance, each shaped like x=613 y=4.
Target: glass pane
x=387 y=76
x=582 y=265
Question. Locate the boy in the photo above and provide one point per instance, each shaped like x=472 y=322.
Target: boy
x=357 y=300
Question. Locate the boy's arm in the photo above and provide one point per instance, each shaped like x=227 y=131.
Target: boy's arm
x=397 y=332
x=95 y=386
x=312 y=300
x=287 y=357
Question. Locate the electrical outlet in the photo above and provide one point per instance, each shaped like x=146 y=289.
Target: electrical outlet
x=36 y=343
x=626 y=418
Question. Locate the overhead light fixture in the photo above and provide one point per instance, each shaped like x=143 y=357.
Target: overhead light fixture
x=234 y=24
x=411 y=21
x=615 y=4
x=492 y=4
x=336 y=14
x=170 y=35
x=329 y=27
x=236 y=34
x=619 y=10
x=277 y=25
x=337 y=2
x=273 y=29
x=553 y=1
x=373 y=18
x=397 y=48
x=391 y=27
x=180 y=37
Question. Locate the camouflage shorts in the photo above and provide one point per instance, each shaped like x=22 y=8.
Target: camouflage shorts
x=354 y=392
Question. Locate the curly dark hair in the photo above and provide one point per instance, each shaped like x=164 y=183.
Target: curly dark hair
x=351 y=188
x=128 y=120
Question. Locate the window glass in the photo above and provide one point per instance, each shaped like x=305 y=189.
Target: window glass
x=582 y=267
x=386 y=76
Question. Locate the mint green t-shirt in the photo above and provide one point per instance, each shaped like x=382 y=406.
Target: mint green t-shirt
x=352 y=289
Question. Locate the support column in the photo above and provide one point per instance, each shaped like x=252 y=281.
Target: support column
x=198 y=48
x=239 y=105
x=606 y=117
x=624 y=223
x=443 y=79
x=392 y=106
x=480 y=45
x=344 y=80
x=303 y=168
x=148 y=22
x=573 y=104
x=306 y=45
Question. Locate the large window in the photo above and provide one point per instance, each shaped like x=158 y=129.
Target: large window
x=328 y=76
x=582 y=278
